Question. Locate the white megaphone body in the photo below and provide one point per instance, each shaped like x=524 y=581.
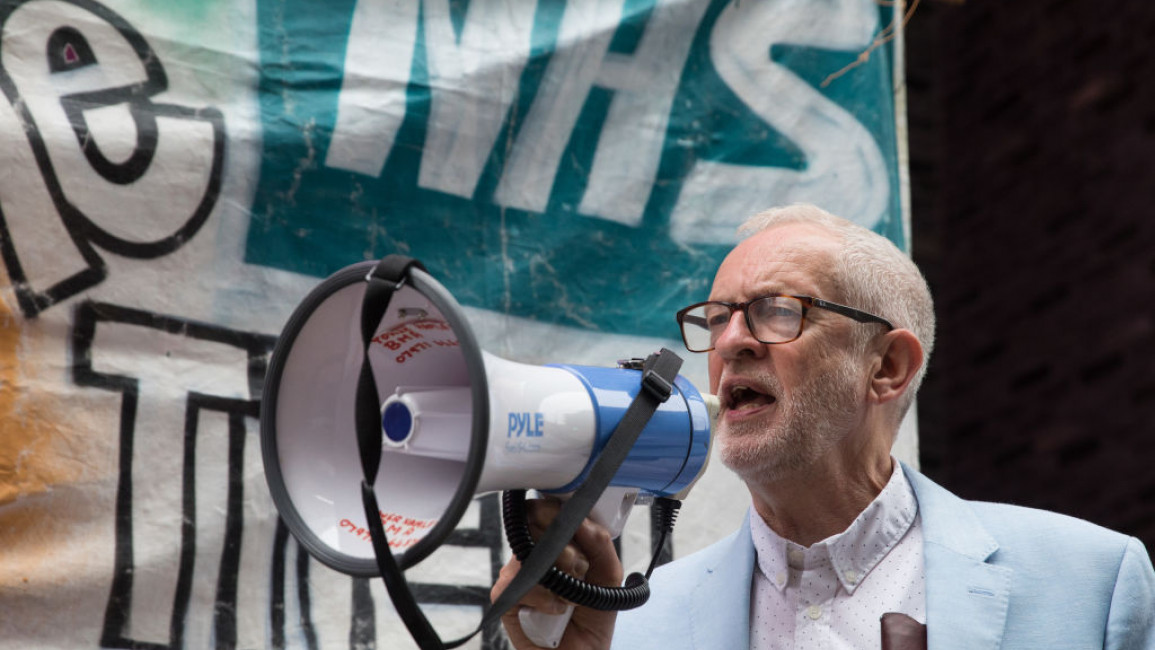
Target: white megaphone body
x=454 y=422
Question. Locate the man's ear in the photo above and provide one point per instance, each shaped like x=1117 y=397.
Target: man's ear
x=900 y=357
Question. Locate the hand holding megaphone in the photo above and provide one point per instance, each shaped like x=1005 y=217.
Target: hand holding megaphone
x=542 y=618
x=609 y=514
x=544 y=625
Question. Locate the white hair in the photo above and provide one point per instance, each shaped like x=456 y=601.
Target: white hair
x=871 y=273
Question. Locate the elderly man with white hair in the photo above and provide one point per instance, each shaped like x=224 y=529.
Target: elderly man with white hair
x=818 y=333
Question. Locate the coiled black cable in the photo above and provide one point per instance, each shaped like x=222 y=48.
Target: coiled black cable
x=663 y=514
x=634 y=593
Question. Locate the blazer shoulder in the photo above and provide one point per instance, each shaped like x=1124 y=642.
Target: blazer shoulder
x=1104 y=567
x=1010 y=522
x=978 y=528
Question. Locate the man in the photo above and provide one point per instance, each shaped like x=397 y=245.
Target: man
x=818 y=332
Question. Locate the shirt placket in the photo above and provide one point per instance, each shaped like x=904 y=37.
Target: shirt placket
x=817 y=586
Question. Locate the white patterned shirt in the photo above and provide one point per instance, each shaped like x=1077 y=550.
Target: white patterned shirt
x=832 y=594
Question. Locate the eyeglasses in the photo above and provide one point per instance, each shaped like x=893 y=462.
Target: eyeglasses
x=771 y=319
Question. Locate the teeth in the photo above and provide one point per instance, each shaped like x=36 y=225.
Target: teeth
x=739 y=394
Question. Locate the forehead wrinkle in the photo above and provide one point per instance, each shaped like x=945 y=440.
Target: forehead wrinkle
x=789 y=267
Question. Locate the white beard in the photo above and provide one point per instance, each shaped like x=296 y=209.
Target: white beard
x=816 y=416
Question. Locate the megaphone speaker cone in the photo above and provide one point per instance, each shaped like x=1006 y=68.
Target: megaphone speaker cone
x=422 y=351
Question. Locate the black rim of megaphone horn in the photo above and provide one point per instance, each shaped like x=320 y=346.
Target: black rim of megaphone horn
x=479 y=392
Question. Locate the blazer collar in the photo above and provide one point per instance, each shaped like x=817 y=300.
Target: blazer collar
x=948 y=520
x=967 y=597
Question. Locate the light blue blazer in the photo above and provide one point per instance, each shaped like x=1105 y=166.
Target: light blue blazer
x=997 y=576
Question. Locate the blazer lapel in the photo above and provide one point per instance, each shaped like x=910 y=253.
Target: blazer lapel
x=719 y=611
x=966 y=597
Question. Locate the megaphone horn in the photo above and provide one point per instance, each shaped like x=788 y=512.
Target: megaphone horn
x=451 y=421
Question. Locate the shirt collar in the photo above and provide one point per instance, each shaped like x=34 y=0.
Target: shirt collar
x=854 y=552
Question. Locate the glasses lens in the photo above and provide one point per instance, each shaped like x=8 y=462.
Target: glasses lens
x=702 y=324
x=776 y=319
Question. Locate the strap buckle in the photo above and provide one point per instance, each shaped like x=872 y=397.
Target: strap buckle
x=657 y=385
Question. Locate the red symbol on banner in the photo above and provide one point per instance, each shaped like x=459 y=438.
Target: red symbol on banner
x=70 y=55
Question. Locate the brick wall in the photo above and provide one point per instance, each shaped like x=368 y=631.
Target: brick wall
x=1033 y=204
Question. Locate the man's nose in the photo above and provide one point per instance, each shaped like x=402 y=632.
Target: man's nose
x=737 y=337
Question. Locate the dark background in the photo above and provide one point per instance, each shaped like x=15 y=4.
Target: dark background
x=1032 y=142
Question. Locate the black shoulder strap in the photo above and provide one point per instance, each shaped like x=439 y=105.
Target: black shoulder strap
x=382 y=282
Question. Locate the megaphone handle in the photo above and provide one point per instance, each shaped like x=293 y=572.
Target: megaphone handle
x=611 y=511
x=544 y=630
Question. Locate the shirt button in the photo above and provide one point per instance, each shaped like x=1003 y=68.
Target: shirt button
x=851 y=577
x=796 y=556
x=813 y=612
x=780 y=579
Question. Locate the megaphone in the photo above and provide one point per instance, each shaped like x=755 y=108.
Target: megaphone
x=452 y=421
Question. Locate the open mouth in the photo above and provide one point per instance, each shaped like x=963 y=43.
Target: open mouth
x=741 y=398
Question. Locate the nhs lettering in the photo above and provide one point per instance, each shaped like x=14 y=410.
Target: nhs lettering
x=528 y=425
x=582 y=162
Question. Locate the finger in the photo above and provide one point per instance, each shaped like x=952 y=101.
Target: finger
x=537 y=597
x=543 y=600
x=540 y=513
x=503 y=578
x=573 y=561
x=603 y=566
